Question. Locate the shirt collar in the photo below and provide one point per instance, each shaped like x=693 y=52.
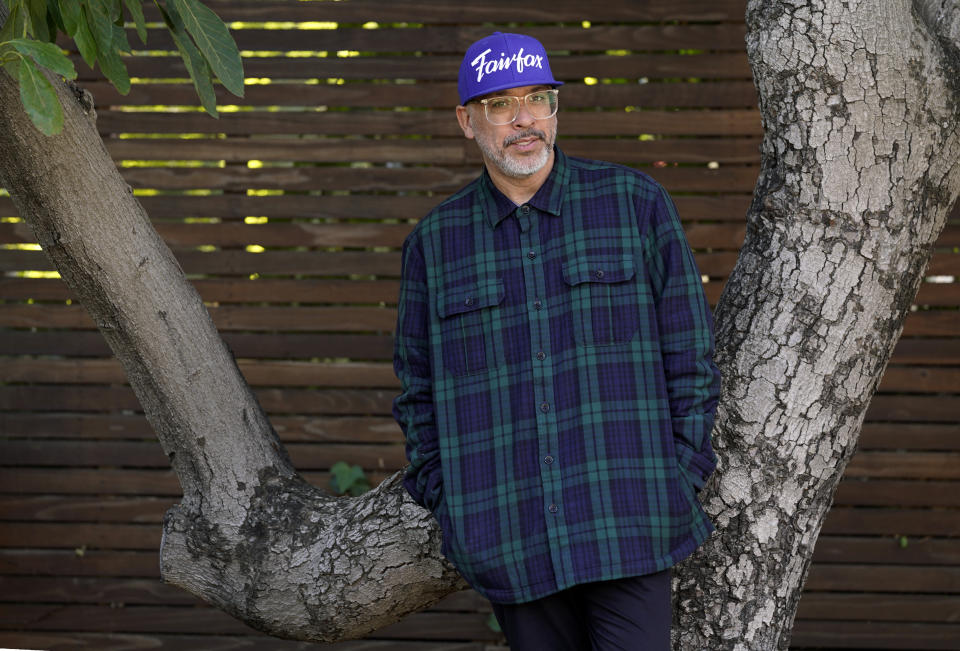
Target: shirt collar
x=548 y=198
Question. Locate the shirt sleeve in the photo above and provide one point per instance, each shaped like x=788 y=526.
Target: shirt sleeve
x=686 y=338
x=413 y=408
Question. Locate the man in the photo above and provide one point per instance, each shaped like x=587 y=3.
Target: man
x=554 y=348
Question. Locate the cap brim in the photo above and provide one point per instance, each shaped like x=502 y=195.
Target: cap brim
x=511 y=84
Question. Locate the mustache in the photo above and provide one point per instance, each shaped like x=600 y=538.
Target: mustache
x=529 y=133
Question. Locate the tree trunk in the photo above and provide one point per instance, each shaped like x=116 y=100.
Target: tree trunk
x=859 y=170
x=860 y=166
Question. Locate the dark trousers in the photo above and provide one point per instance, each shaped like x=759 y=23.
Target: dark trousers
x=631 y=614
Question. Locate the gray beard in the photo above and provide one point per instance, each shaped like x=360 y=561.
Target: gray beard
x=512 y=167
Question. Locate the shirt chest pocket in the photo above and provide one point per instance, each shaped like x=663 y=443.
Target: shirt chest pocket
x=467 y=325
x=604 y=299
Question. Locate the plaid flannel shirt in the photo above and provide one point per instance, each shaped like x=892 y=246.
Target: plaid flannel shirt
x=558 y=387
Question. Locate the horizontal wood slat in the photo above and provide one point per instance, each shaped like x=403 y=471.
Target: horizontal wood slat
x=920 y=379
x=441 y=11
x=280 y=346
x=315 y=263
x=720 y=66
x=435 y=95
x=879 y=607
x=177 y=642
x=434 y=123
x=232 y=206
x=454 y=39
x=820 y=634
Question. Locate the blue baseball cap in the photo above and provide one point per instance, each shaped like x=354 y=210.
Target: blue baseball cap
x=502 y=61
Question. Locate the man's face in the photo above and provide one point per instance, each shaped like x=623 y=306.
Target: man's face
x=519 y=149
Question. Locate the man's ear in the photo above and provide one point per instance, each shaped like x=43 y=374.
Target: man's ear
x=463 y=117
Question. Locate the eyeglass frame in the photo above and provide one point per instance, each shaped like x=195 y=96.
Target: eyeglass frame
x=521 y=100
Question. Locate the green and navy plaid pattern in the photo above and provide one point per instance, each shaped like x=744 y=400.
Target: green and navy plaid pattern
x=558 y=387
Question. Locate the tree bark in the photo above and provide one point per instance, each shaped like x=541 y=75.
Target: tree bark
x=860 y=166
x=859 y=169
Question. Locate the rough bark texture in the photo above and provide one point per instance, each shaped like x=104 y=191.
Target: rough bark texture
x=860 y=166
x=860 y=108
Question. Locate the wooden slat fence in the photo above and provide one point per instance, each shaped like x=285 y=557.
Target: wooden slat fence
x=288 y=214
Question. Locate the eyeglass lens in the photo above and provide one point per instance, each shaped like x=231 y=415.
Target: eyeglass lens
x=504 y=109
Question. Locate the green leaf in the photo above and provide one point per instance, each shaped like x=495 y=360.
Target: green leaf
x=38 y=19
x=120 y=41
x=39 y=99
x=100 y=25
x=114 y=69
x=15 y=26
x=196 y=65
x=85 y=41
x=47 y=55
x=345 y=478
x=215 y=42
x=136 y=11
x=72 y=14
x=54 y=19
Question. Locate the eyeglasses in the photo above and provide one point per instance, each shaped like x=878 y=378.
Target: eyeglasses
x=504 y=109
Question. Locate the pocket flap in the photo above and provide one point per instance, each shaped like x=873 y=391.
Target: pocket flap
x=468 y=298
x=598 y=270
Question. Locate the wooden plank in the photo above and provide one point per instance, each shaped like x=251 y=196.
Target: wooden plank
x=880 y=607
x=72 y=641
x=933 y=350
x=455 y=39
x=386 y=457
x=354 y=374
x=887 y=550
x=892 y=521
x=116 y=482
x=810 y=633
x=87 y=562
x=92 y=590
x=325 y=263
x=289 y=319
x=879 y=578
x=438 y=151
x=890 y=436
x=232 y=234
x=439 y=11
x=108 y=427
x=905 y=465
x=945 y=409
x=434 y=123
x=434 y=95
x=895 y=492
x=926 y=379
x=285 y=346
x=728 y=207
x=145 y=619
x=257 y=373
x=387 y=179
x=719 y=66
x=80 y=537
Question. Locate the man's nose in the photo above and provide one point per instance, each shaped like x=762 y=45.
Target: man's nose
x=524 y=116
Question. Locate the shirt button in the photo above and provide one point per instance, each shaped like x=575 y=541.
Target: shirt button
x=548 y=459
x=468 y=302
x=553 y=508
x=538 y=305
x=599 y=273
x=544 y=407
x=541 y=355
x=525 y=209
x=531 y=254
